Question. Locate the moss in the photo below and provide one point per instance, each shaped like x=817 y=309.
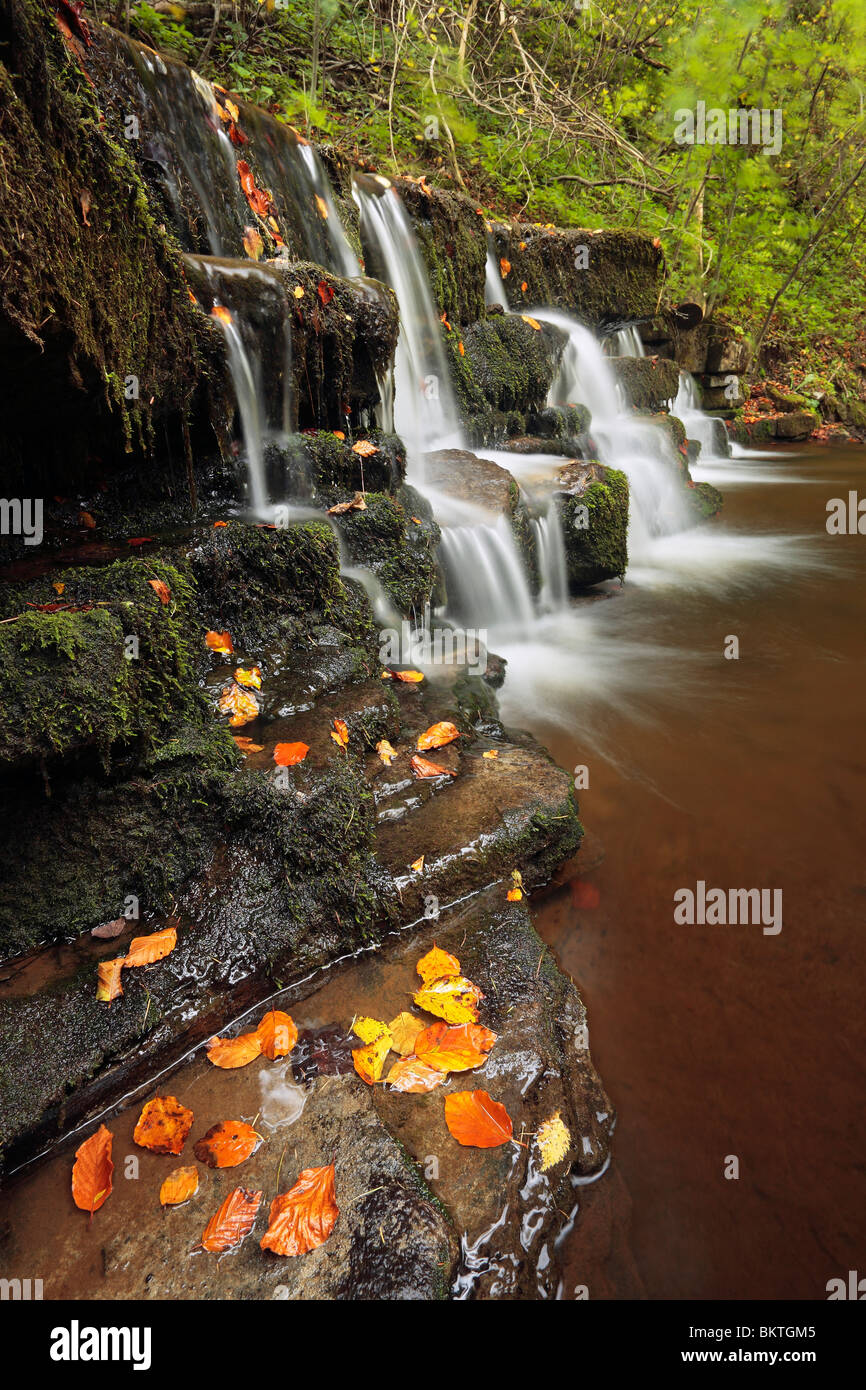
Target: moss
x=648 y=382
x=331 y=462
x=599 y=550
x=400 y=552
x=512 y=363
x=452 y=239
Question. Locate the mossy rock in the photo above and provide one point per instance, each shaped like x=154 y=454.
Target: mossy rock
x=452 y=239
x=649 y=382
x=322 y=462
x=512 y=363
x=706 y=500
x=400 y=551
x=594 y=518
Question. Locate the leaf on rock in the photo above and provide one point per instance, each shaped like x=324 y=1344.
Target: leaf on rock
x=253 y=243
x=423 y=767
x=404 y=1030
x=228 y=1053
x=455 y=999
x=107 y=931
x=370 y=1060
x=437 y=964
x=437 y=736
x=219 y=642
x=250 y=677
x=417 y=865
x=163 y=1125
x=144 y=950
x=504 y=267
x=514 y=895
x=303 y=1218
x=554 y=1141
x=92 y=1171
x=476 y=1120
x=258 y=199
x=322 y=207
x=325 y=291
x=277 y=1033
x=162 y=591
x=340 y=733
x=179 y=1186
x=290 y=754
x=490 y=753
x=454 y=1049
x=234 y=1220
x=108 y=985
x=357 y=504
x=386 y=752
x=413 y=1075
x=533 y=323
x=365 y=448
x=227 y=1144
x=409 y=677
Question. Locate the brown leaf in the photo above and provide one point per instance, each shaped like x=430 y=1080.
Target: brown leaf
x=108 y=985
x=163 y=1125
x=234 y=1220
x=179 y=1186
x=476 y=1120
x=227 y=1144
x=144 y=950
x=253 y=243
x=162 y=591
x=303 y=1218
x=437 y=736
x=228 y=1053
x=289 y=754
x=422 y=767
x=107 y=931
x=92 y=1171
x=357 y=504
x=85 y=519
x=415 y=1076
x=277 y=1034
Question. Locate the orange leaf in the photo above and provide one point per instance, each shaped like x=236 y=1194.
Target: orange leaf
x=234 y=1052
x=410 y=677
x=162 y=591
x=92 y=1170
x=217 y=524
x=476 y=1120
x=504 y=267
x=386 y=752
x=524 y=287
x=303 y=1218
x=179 y=1186
x=258 y=200
x=325 y=292
x=455 y=999
x=454 y=1049
x=253 y=243
x=240 y=704
x=437 y=964
x=227 y=1144
x=417 y=865
x=247 y=746
x=163 y=1125
x=365 y=448
x=234 y=1220
x=144 y=950
x=422 y=767
x=490 y=753
x=461 y=349
x=413 y=1075
x=219 y=642
x=369 y=1061
x=277 y=1034
x=288 y=754
x=437 y=736
x=338 y=434
x=322 y=206
x=219 y=311
x=340 y=733
x=85 y=519
x=58 y=587
x=108 y=984
x=533 y=323
x=249 y=677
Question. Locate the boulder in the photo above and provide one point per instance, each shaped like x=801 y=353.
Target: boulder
x=649 y=383
x=593 y=509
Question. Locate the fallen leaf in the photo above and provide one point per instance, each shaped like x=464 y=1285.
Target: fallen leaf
x=477 y=1121
x=85 y=519
x=490 y=753
x=253 y=243
x=219 y=642
x=289 y=754
x=461 y=349
x=247 y=746
x=554 y=1141
x=454 y=1049
x=370 y=1060
x=524 y=287
x=357 y=504
x=298 y=291
x=386 y=752
x=325 y=293
x=436 y=964
x=179 y=1186
x=240 y=704
x=277 y=1033
x=163 y=1125
x=303 y=1218
x=228 y=1053
x=417 y=864
x=108 y=984
x=414 y=1076
x=139 y=540
x=514 y=895
x=232 y=109
x=340 y=733
x=227 y=1144
x=322 y=206
x=92 y=1170
x=219 y=311
x=144 y=950
x=504 y=267
x=249 y=677
x=162 y=591
x=218 y=524
x=409 y=677
x=109 y=930
x=422 y=767
x=455 y=999
x=257 y=198
x=365 y=448
x=437 y=736
x=58 y=587
x=338 y=434
x=404 y=1029
x=533 y=323
x=234 y=1220
x=369 y=1029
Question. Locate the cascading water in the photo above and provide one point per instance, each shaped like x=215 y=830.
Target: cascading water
x=552 y=564
x=343 y=257
x=626 y=342
x=709 y=431
x=494 y=289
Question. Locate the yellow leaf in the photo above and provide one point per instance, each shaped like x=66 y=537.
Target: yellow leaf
x=404 y=1030
x=417 y=864
x=437 y=964
x=490 y=753
x=386 y=752
x=58 y=588
x=455 y=999
x=554 y=1141
x=108 y=984
x=369 y=1029
x=533 y=323
x=370 y=1060
x=322 y=206
x=299 y=291
x=251 y=677
x=340 y=733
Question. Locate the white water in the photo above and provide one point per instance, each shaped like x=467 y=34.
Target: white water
x=494 y=289
x=710 y=432
x=345 y=260
x=484 y=578
x=626 y=342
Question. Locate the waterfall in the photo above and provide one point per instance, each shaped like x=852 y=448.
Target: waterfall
x=343 y=258
x=484 y=577
x=494 y=289
x=425 y=414
x=552 y=563
x=626 y=342
x=710 y=432
x=623 y=440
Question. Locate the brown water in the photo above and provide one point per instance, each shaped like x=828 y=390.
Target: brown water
x=721 y=1040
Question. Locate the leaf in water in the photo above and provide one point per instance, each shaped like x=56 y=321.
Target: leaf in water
x=404 y=1030
x=247 y=746
x=410 y=677
x=162 y=591
x=239 y=704
x=369 y=1029
x=457 y=1048
x=437 y=964
x=455 y=999
x=228 y=1053
x=303 y=1218
x=163 y=1125
x=322 y=207
x=227 y=1144
x=92 y=1171
x=476 y=1120
x=219 y=311
x=277 y=1034
x=289 y=754
x=414 y=1076
x=253 y=243
x=219 y=642
x=386 y=752
x=423 y=767
x=437 y=736
x=357 y=504
x=249 y=677
x=234 y=1220
x=258 y=199
x=554 y=1141
x=108 y=985
x=370 y=1060
x=144 y=950
x=107 y=931
x=340 y=733
x=179 y=1186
